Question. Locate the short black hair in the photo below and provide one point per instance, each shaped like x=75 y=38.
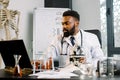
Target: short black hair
x=72 y=13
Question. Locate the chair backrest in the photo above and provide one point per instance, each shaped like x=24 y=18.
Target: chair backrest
x=96 y=32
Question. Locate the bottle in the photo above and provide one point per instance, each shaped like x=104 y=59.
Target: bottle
x=50 y=62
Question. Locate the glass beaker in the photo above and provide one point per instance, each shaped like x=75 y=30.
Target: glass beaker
x=38 y=62
x=63 y=60
x=17 y=69
x=107 y=67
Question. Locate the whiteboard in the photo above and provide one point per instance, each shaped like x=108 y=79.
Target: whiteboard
x=47 y=24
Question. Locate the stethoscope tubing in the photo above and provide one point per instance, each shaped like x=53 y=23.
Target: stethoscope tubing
x=62 y=42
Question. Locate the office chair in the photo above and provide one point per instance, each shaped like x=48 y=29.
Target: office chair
x=96 y=32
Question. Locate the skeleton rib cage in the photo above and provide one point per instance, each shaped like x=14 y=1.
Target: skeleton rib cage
x=10 y=19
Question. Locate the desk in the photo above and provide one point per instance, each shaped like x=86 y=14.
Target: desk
x=6 y=75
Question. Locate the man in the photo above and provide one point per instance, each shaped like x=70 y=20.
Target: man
x=83 y=42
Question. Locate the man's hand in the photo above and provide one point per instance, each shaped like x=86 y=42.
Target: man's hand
x=82 y=60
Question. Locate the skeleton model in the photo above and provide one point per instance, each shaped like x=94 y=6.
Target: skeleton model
x=9 y=20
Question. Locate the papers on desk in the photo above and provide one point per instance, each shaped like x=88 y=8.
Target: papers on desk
x=53 y=74
x=63 y=73
x=70 y=68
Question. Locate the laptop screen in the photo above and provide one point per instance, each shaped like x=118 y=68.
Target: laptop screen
x=11 y=47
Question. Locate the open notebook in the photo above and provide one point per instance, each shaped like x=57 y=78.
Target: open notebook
x=11 y=47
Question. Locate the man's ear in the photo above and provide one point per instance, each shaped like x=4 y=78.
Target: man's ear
x=76 y=23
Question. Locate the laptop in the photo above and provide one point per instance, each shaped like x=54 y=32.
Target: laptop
x=9 y=48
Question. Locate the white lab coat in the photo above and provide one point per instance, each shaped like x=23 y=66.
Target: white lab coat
x=91 y=47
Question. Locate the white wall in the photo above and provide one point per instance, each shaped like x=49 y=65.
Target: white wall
x=89 y=11
x=26 y=19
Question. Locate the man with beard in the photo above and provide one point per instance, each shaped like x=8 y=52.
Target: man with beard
x=84 y=43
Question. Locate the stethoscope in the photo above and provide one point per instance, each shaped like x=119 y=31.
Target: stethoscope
x=78 y=47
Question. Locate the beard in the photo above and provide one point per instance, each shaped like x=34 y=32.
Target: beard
x=67 y=33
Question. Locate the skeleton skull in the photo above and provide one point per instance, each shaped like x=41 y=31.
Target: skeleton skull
x=5 y=3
